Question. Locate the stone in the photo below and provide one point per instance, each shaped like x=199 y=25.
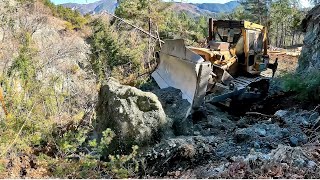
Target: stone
x=272 y=131
x=299 y=162
x=261 y=132
x=241 y=135
x=281 y=113
x=294 y=141
x=256 y=145
x=285 y=132
x=135 y=116
x=311 y=164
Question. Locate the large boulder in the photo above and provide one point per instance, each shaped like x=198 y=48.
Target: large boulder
x=309 y=59
x=136 y=117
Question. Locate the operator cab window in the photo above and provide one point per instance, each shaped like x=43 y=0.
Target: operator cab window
x=230 y=35
x=255 y=41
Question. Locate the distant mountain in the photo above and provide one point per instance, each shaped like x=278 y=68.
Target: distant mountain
x=206 y=9
x=191 y=9
x=94 y=8
x=219 y=8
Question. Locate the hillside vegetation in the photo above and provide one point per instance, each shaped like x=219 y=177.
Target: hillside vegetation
x=54 y=62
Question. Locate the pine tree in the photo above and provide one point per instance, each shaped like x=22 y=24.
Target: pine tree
x=258 y=10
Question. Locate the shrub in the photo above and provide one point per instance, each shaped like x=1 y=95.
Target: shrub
x=113 y=54
x=38 y=133
x=307 y=85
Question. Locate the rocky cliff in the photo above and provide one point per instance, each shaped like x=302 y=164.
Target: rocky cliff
x=58 y=53
x=310 y=56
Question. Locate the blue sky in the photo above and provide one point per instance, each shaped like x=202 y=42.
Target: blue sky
x=304 y=3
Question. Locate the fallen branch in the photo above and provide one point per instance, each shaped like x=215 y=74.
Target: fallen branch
x=316 y=108
x=136 y=27
x=260 y=114
x=273 y=118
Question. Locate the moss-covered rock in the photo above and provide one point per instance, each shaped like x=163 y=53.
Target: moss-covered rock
x=136 y=117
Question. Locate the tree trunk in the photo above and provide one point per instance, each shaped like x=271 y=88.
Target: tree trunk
x=285 y=34
x=149 y=44
x=281 y=37
x=277 y=35
x=292 y=41
x=158 y=36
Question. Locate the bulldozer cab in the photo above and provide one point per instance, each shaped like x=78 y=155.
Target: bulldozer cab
x=248 y=42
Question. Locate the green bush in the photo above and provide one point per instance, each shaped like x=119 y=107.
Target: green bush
x=112 y=54
x=58 y=140
x=23 y=63
x=306 y=85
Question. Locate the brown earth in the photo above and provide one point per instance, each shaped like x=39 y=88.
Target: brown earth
x=286 y=63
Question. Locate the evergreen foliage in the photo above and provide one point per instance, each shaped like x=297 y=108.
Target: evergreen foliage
x=74 y=17
x=112 y=55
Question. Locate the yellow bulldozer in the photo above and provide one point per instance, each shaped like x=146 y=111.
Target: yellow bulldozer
x=227 y=69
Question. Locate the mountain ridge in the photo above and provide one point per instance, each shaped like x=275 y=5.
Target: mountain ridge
x=194 y=9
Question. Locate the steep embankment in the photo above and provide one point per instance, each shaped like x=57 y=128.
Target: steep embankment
x=48 y=89
x=58 y=52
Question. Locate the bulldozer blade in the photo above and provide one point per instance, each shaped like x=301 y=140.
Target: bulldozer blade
x=183 y=69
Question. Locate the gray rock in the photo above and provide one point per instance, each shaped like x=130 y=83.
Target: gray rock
x=272 y=131
x=261 y=132
x=281 y=113
x=311 y=164
x=256 y=145
x=220 y=122
x=135 y=116
x=285 y=132
x=197 y=133
x=265 y=157
x=299 y=162
x=298 y=139
x=294 y=141
x=241 y=135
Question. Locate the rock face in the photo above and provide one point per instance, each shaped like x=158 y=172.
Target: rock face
x=62 y=55
x=135 y=116
x=310 y=55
